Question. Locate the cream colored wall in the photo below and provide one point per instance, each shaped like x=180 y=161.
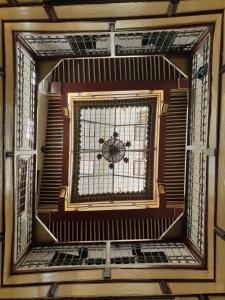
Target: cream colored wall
x=21 y=13
x=108 y=290
x=31 y=292
x=189 y=6
x=112 y=9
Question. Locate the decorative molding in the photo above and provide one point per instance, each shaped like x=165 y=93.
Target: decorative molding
x=220 y=232
x=172 y=8
x=50 y=11
x=52 y=290
x=165 y=288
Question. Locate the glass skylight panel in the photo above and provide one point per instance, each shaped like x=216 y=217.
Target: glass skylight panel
x=112 y=140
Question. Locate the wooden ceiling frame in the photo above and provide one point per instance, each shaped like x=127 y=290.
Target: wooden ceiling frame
x=127 y=94
x=160 y=88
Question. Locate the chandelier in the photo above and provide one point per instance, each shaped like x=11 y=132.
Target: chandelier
x=113 y=150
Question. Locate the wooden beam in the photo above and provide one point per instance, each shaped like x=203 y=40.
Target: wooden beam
x=50 y=11
x=164 y=288
x=172 y=8
x=107 y=214
x=220 y=232
x=123 y=85
x=85 y=2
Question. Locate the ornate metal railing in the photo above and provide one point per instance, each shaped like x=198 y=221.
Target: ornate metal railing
x=24 y=154
x=25 y=100
x=108 y=255
x=197 y=146
x=200 y=92
x=110 y=43
x=196 y=205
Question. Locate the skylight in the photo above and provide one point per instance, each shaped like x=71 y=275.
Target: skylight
x=104 y=124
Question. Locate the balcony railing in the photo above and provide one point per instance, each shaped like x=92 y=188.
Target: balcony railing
x=24 y=154
x=197 y=146
x=109 y=254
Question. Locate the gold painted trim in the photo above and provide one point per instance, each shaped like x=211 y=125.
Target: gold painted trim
x=115 y=205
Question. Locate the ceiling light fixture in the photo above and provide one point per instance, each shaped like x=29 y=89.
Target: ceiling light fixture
x=113 y=150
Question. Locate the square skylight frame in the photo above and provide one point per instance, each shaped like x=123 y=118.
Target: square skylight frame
x=147 y=194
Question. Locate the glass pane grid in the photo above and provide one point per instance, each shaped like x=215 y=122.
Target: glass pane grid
x=133 y=123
